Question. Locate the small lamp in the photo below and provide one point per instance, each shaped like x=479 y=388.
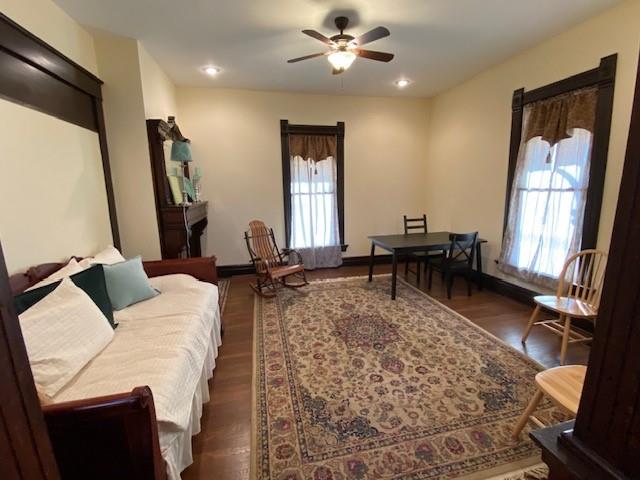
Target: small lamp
x=181 y=152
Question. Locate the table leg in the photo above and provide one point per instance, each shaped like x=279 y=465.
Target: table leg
x=394 y=271
x=371 y=258
x=479 y=264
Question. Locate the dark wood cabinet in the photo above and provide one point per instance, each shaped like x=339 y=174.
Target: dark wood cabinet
x=180 y=227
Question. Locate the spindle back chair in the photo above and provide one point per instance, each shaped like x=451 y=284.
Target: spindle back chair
x=273 y=266
x=577 y=296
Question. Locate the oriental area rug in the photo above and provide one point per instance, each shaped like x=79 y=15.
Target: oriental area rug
x=349 y=384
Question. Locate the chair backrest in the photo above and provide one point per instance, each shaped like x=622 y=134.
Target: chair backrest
x=418 y=224
x=462 y=248
x=262 y=246
x=582 y=276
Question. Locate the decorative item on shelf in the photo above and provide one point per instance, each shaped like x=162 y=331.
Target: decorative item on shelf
x=176 y=190
x=189 y=189
x=181 y=152
x=197 y=178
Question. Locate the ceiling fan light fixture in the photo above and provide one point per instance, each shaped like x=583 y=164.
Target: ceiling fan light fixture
x=211 y=70
x=341 y=59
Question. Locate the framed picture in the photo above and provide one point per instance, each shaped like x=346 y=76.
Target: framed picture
x=176 y=190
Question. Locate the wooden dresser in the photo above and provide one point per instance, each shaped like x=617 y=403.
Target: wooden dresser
x=180 y=227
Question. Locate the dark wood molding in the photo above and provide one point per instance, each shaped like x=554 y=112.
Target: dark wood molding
x=22 y=44
x=286 y=178
x=514 y=146
x=287 y=129
x=604 y=78
x=25 y=449
x=37 y=76
x=604 y=439
x=599 y=151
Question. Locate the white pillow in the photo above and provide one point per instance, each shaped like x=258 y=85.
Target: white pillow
x=108 y=256
x=63 y=332
x=69 y=269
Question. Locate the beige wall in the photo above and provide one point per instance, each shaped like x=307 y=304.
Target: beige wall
x=124 y=109
x=470 y=126
x=158 y=91
x=53 y=202
x=236 y=141
x=52 y=194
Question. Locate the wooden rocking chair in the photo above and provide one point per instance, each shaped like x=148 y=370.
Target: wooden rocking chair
x=273 y=266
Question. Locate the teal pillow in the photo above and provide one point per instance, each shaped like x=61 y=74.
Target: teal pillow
x=91 y=281
x=127 y=283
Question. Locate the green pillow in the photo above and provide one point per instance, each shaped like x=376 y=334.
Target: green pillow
x=127 y=283
x=91 y=281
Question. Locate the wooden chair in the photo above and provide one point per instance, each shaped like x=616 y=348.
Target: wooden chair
x=418 y=225
x=458 y=261
x=563 y=385
x=273 y=266
x=577 y=296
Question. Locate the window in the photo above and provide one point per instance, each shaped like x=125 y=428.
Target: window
x=314 y=207
x=313 y=187
x=556 y=170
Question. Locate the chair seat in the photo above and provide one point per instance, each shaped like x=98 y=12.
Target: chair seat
x=569 y=306
x=285 y=270
x=563 y=385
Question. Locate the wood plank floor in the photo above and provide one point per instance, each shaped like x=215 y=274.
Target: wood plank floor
x=222 y=450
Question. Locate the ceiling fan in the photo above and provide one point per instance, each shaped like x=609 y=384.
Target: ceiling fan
x=344 y=48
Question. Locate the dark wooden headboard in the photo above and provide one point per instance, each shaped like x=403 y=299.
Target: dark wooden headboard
x=202 y=268
x=21 y=281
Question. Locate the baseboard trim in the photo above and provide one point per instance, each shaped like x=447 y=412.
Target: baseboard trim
x=510 y=290
x=364 y=260
x=226 y=271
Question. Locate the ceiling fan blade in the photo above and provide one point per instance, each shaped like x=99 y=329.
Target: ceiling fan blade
x=372 y=35
x=318 y=36
x=373 y=55
x=306 y=57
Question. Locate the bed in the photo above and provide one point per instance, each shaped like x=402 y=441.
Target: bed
x=162 y=356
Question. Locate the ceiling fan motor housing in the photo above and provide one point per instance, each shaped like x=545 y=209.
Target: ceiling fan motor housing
x=341 y=23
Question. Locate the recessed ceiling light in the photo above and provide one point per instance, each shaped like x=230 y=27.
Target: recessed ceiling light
x=403 y=82
x=211 y=70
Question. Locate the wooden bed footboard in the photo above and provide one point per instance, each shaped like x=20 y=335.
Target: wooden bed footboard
x=202 y=268
x=114 y=436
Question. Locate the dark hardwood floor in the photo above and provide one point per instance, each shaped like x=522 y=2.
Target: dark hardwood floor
x=222 y=450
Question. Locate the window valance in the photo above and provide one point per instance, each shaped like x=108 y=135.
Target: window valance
x=312 y=147
x=555 y=118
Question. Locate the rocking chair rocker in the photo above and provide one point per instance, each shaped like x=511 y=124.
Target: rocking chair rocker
x=273 y=266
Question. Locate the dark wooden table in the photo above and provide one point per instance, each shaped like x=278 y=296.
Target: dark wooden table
x=404 y=244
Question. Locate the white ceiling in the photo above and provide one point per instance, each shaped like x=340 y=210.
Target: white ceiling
x=437 y=43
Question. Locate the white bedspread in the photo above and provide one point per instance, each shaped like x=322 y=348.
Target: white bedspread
x=162 y=342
